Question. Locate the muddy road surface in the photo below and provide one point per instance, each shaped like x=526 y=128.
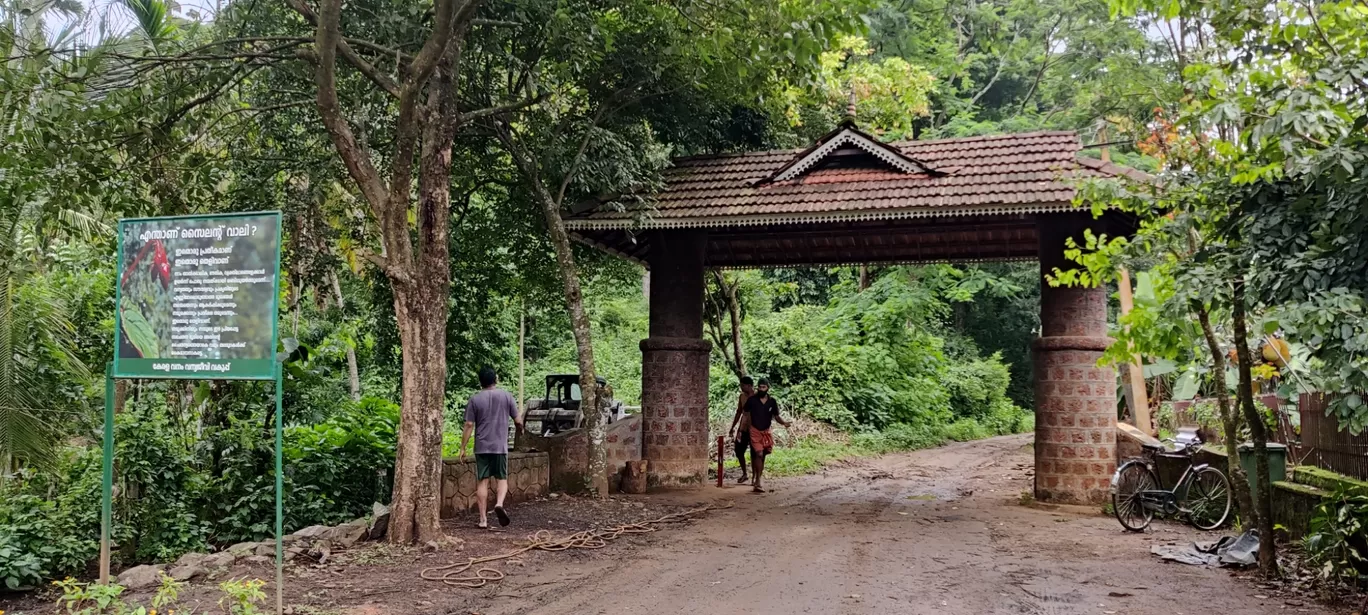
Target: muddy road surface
x=940 y=531
x=944 y=531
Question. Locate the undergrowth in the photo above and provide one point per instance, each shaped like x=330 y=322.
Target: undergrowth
x=811 y=454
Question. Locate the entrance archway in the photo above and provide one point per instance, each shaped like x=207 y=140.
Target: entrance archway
x=851 y=199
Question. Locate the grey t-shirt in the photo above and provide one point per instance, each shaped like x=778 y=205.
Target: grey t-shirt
x=490 y=410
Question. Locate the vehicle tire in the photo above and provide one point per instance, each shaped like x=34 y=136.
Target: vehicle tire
x=1208 y=500
x=1131 y=480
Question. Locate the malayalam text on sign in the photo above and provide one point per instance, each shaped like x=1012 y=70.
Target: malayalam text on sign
x=198 y=296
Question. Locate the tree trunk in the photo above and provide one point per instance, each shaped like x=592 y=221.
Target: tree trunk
x=864 y=277
x=353 y=372
x=727 y=291
x=590 y=404
x=584 y=347
x=1230 y=418
x=1258 y=430
x=421 y=314
x=414 y=240
x=734 y=308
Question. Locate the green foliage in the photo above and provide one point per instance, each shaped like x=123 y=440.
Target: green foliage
x=889 y=93
x=19 y=565
x=241 y=596
x=334 y=471
x=41 y=539
x=1018 y=65
x=1338 y=541
x=94 y=599
x=873 y=358
x=806 y=456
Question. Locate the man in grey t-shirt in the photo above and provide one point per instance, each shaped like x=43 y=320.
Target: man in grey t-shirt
x=487 y=416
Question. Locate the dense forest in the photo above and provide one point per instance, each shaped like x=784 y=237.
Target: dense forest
x=421 y=176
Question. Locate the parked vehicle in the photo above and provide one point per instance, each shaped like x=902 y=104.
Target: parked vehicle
x=559 y=409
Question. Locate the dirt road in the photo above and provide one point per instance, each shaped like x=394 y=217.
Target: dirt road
x=938 y=531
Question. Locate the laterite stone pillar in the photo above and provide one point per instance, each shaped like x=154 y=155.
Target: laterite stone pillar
x=1075 y=400
x=674 y=363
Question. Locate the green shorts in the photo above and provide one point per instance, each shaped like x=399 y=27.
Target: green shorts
x=491 y=465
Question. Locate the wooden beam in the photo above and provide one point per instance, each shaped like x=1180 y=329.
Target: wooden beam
x=1133 y=378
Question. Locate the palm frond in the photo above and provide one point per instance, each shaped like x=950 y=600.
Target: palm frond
x=38 y=332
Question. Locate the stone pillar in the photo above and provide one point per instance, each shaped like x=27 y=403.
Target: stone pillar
x=1075 y=400
x=674 y=363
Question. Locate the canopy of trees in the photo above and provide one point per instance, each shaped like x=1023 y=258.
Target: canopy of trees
x=422 y=153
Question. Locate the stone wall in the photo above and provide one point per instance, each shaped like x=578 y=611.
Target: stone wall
x=568 y=455
x=528 y=478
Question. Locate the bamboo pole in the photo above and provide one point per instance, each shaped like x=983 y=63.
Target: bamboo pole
x=1136 y=395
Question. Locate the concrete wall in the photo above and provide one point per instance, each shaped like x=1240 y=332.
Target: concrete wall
x=568 y=457
x=528 y=478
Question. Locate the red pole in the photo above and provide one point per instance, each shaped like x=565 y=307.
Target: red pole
x=720 y=456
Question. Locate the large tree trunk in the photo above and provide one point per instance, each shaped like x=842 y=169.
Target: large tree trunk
x=421 y=314
x=415 y=241
x=1258 y=431
x=1230 y=418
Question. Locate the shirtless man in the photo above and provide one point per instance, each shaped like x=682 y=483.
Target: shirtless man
x=740 y=427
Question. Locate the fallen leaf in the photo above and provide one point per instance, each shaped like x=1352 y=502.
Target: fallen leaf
x=1119 y=595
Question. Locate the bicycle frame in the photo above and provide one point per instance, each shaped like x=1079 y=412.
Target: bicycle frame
x=1165 y=500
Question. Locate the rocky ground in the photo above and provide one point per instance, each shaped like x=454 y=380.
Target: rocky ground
x=943 y=531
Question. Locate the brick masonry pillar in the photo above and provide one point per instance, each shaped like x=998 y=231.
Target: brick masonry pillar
x=1075 y=400
x=674 y=363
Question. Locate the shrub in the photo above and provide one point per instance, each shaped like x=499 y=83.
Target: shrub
x=39 y=540
x=334 y=471
x=965 y=430
x=1338 y=541
x=977 y=386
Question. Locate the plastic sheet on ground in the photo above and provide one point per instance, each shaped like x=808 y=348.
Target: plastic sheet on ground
x=1228 y=551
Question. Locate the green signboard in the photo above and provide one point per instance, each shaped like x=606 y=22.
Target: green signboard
x=197 y=297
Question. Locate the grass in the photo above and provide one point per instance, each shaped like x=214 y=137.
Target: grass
x=811 y=454
x=808 y=456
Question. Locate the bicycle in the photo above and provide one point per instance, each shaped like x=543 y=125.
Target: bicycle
x=1202 y=493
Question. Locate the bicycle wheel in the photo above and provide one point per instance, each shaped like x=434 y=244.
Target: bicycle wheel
x=1129 y=484
x=1208 y=499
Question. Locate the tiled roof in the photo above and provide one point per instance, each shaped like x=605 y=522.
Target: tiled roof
x=1010 y=174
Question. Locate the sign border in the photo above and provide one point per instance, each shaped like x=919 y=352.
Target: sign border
x=275 y=294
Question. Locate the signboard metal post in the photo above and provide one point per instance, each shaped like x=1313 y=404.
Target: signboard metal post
x=280 y=492
x=107 y=483
x=197 y=298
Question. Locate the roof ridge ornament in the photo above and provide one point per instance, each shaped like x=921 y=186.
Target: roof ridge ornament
x=848 y=134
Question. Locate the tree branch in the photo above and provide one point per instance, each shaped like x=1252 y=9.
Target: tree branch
x=1044 y=64
x=1016 y=32
x=433 y=49
x=358 y=163
x=366 y=68
x=500 y=109
x=396 y=274
x=579 y=157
